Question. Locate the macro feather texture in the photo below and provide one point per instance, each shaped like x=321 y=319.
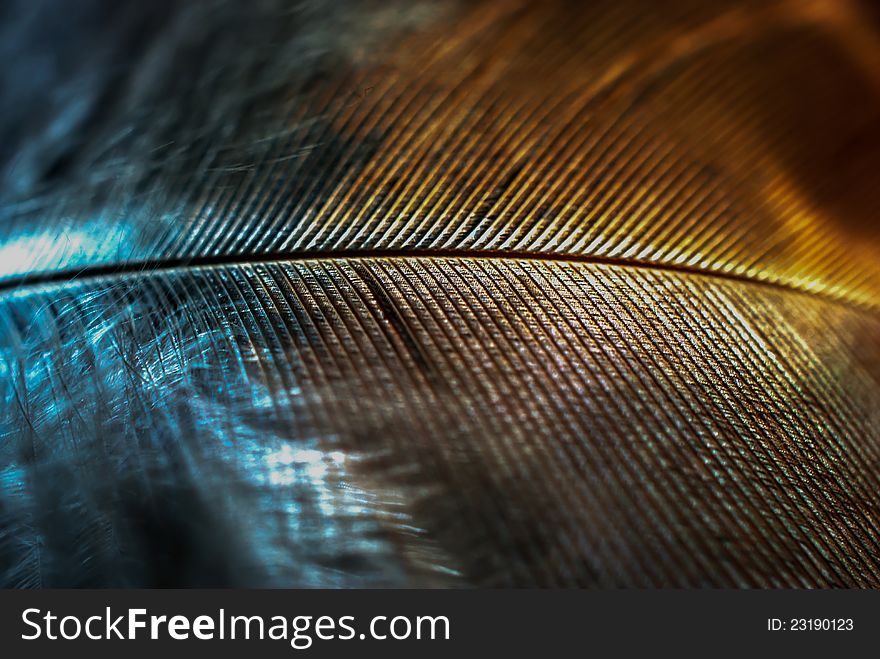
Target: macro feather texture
x=498 y=294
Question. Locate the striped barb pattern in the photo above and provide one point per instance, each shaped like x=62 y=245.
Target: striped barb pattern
x=529 y=293
x=497 y=422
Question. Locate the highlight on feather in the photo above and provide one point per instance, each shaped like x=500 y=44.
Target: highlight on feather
x=140 y=449
x=497 y=293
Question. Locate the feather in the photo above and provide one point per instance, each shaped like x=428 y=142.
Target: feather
x=498 y=294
